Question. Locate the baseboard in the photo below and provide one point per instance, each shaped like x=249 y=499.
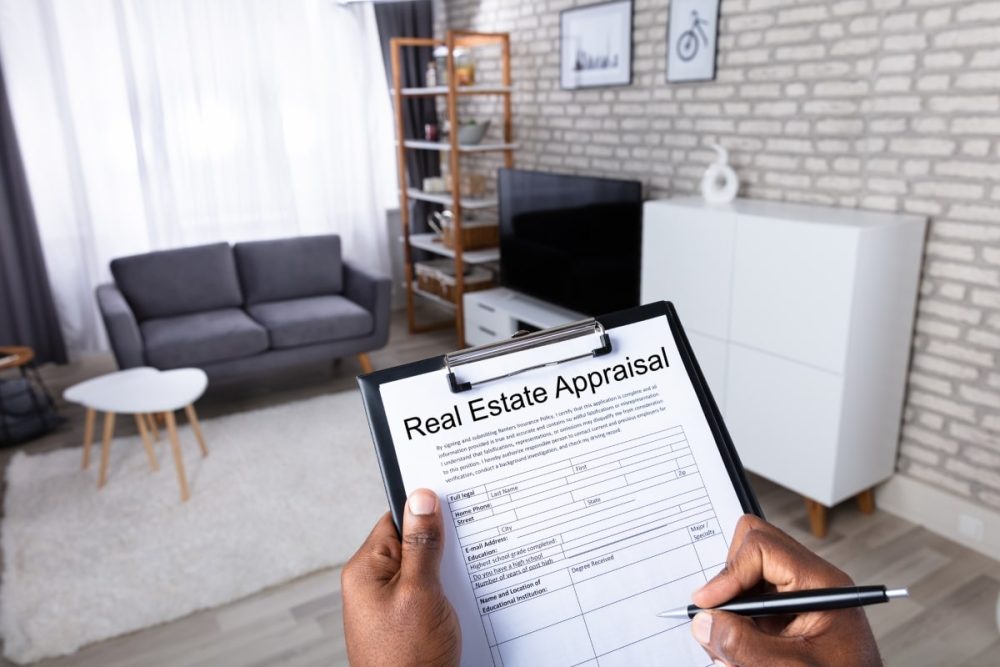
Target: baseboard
x=939 y=512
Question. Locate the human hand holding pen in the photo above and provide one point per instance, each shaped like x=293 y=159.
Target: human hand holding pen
x=763 y=559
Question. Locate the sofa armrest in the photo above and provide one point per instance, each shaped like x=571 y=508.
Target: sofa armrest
x=121 y=325
x=371 y=291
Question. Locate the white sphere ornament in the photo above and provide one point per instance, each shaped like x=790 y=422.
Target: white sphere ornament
x=720 y=183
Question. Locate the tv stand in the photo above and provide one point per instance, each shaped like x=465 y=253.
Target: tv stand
x=497 y=314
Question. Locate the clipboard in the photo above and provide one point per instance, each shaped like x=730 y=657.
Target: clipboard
x=370 y=384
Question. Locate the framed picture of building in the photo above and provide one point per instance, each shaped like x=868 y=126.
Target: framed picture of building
x=596 y=45
x=692 y=40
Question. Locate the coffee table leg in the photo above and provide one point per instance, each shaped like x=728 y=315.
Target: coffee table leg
x=152 y=426
x=196 y=427
x=109 y=430
x=175 y=445
x=140 y=421
x=88 y=437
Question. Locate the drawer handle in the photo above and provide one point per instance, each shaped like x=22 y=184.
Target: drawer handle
x=488 y=309
x=487 y=331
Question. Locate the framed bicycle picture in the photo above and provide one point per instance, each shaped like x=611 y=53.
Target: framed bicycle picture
x=596 y=45
x=692 y=40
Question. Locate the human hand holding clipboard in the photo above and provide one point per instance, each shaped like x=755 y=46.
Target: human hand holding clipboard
x=395 y=611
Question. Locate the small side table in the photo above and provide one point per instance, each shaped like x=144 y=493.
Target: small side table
x=145 y=393
x=23 y=359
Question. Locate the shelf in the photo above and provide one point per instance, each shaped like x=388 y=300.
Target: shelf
x=430 y=91
x=445 y=146
x=432 y=243
x=468 y=203
x=431 y=297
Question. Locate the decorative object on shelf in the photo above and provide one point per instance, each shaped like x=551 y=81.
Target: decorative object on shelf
x=465 y=67
x=435 y=185
x=437 y=277
x=720 y=184
x=472 y=132
x=692 y=40
x=431 y=132
x=475 y=235
x=471 y=185
x=596 y=45
x=430 y=75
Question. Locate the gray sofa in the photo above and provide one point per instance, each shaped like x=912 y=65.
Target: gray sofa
x=246 y=309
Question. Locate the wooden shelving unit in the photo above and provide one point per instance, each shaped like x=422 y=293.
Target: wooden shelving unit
x=454 y=152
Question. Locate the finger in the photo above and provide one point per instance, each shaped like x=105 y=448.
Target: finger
x=737 y=640
x=752 y=522
x=762 y=557
x=423 y=537
x=378 y=557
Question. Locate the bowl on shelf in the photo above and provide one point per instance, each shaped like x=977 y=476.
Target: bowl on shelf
x=472 y=133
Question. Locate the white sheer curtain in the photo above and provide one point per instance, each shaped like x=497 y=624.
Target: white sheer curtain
x=149 y=124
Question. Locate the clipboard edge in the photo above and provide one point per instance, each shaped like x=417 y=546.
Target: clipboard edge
x=378 y=425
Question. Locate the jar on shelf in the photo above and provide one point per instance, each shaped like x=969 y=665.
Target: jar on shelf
x=465 y=66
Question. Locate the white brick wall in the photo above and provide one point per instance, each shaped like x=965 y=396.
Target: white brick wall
x=882 y=104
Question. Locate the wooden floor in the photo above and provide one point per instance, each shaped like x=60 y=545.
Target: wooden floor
x=951 y=619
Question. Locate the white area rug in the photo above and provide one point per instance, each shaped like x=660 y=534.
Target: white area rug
x=284 y=491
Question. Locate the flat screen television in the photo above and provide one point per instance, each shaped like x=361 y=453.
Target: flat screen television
x=573 y=241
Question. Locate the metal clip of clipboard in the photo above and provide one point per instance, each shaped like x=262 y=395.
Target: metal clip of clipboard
x=530 y=341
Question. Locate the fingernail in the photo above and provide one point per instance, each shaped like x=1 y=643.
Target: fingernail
x=422 y=502
x=701 y=628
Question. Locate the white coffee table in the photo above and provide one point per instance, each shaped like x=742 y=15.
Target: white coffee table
x=146 y=393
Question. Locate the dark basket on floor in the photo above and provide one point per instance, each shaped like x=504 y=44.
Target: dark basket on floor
x=26 y=412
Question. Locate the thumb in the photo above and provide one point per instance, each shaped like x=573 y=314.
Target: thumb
x=738 y=641
x=423 y=537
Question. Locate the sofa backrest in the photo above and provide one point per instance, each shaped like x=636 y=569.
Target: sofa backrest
x=290 y=268
x=167 y=283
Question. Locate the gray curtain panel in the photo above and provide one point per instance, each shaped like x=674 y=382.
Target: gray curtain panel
x=412 y=19
x=27 y=311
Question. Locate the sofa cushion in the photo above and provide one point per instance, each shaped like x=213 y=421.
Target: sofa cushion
x=202 y=338
x=317 y=319
x=177 y=282
x=290 y=268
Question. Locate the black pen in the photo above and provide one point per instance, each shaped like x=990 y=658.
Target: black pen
x=799 y=602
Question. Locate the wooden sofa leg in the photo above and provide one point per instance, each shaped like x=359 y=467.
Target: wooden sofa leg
x=817 y=517
x=366 y=363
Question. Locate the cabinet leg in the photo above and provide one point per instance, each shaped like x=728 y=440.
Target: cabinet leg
x=817 y=517
x=366 y=363
x=866 y=501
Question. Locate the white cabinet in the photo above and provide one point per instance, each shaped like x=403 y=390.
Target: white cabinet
x=496 y=314
x=801 y=317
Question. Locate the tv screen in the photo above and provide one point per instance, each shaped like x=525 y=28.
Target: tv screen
x=573 y=241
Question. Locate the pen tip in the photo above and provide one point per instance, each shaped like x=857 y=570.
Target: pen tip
x=674 y=613
x=897 y=593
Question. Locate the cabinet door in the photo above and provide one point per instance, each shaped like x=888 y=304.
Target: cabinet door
x=784 y=419
x=687 y=255
x=792 y=287
x=711 y=354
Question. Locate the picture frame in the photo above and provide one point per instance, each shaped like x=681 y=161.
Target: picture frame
x=692 y=40
x=595 y=44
